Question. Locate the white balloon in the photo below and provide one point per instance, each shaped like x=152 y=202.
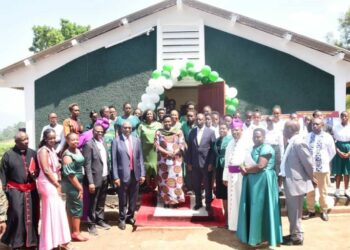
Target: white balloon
x=149 y=90
x=153 y=82
x=141 y=106
x=154 y=98
x=149 y=105
x=145 y=98
x=159 y=90
x=232 y=92
x=168 y=84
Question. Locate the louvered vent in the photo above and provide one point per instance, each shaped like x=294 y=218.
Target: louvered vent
x=180 y=42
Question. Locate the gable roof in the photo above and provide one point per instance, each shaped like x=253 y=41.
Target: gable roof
x=225 y=14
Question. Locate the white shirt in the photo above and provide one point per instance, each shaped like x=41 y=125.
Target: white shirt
x=58 y=130
x=216 y=131
x=275 y=137
x=200 y=134
x=341 y=133
x=279 y=125
x=322 y=148
x=126 y=140
x=103 y=154
x=59 y=135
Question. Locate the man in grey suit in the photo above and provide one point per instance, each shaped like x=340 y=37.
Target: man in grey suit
x=96 y=173
x=200 y=161
x=128 y=172
x=297 y=173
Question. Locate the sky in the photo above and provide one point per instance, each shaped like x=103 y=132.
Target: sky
x=312 y=18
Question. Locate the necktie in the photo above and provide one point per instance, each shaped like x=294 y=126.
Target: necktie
x=131 y=154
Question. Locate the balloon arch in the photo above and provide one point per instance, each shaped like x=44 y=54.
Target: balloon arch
x=165 y=79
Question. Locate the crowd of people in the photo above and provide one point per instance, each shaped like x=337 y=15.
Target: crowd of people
x=246 y=163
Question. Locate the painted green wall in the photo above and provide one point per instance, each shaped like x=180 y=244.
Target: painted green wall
x=102 y=77
x=265 y=77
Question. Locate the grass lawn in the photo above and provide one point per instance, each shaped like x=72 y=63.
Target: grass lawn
x=4 y=146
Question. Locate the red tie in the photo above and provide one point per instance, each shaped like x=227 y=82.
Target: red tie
x=131 y=154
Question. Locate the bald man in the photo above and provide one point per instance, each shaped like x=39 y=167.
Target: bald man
x=18 y=171
x=128 y=172
x=297 y=173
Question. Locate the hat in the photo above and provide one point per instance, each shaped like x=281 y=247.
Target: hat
x=237 y=123
x=103 y=122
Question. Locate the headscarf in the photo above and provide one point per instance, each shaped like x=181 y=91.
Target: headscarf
x=236 y=123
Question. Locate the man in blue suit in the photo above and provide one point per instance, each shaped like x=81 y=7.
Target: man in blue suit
x=128 y=172
x=200 y=159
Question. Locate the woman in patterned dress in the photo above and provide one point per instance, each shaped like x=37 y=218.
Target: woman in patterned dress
x=170 y=145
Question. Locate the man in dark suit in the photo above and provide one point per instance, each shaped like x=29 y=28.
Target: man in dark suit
x=298 y=180
x=128 y=172
x=96 y=172
x=200 y=160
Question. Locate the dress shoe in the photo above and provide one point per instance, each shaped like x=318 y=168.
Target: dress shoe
x=324 y=216
x=198 y=206
x=208 y=207
x=104 y=225
x=286 y=238
x=291 y=242
x=130 y=221
x=122 y=225
x=347 y=194
x=92 y=230
x=309 y=215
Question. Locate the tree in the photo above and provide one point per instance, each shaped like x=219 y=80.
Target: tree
x=344 y=29
x=46 y=36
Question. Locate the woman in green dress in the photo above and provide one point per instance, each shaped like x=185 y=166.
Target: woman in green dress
x=127 y=116
x=72 y=179
x=259 y=212
x=146 y=132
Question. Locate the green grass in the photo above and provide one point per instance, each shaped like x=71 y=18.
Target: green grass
x=4 y=146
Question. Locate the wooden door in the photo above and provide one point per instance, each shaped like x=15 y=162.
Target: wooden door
x=212 y=95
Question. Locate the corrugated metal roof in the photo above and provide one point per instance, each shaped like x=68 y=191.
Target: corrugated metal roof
x=243 y=20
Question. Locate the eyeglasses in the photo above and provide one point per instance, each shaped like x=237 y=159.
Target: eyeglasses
x=99 y=132
x=316 y=124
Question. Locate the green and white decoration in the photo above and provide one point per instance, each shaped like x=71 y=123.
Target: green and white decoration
x=165 y=79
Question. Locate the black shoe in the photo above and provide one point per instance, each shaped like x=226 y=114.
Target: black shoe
x=309 y=215
x=281 y=193
x=92 y=230
x=196 y=207
x=103 y=225
x=324 y=216
x=166 y=206
x=347 y=195
x=208 y=207
x=122 y=225
x=130 y=221
x=291 y=242
x=286 y=238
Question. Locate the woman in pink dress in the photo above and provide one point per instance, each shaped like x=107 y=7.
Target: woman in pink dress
x=54 y=223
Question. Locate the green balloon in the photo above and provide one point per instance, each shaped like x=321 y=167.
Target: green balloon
x=189 y=65
x=205 y=80
x=191 y=71
x=235 y=102
x=230 y=109
x=206 y=70
x=228 y=100
x=198 y=76
x=167 y=67
x=166 y=74
x=183 y=72
x=156 y=74
x=213 y=76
